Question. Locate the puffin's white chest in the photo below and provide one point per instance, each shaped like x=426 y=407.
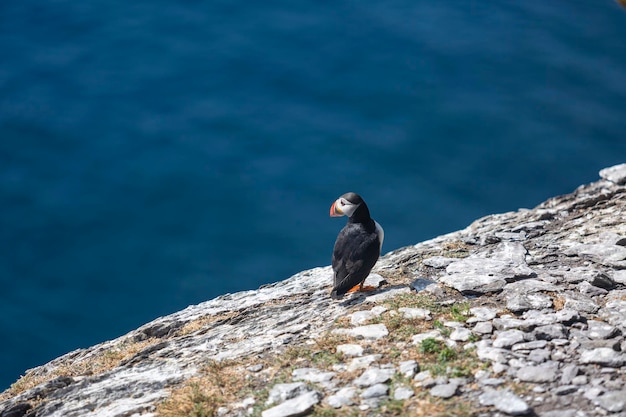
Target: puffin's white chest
x=381 y=234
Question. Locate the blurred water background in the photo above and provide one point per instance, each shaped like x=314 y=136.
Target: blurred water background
x=156 y=154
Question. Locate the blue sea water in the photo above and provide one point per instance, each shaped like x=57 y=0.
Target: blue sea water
x=156 y=154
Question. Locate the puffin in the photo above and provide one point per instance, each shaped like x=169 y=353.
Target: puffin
x=357 y=247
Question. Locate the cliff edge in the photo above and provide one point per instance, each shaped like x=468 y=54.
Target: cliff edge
x=521 y=313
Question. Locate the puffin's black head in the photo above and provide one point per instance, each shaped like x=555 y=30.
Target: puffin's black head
x=351 y=205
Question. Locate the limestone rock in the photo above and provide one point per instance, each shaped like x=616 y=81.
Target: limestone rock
x=616 y=174
x=505 y=401
x=294 y=407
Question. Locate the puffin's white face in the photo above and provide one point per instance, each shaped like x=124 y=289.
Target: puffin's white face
x=342 y=207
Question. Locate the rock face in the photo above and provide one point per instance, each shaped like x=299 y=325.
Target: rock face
x=524 y=314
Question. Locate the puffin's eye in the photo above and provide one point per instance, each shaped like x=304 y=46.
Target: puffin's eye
x=342 y=203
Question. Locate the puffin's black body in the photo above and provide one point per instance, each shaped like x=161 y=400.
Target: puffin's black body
x=358 y=245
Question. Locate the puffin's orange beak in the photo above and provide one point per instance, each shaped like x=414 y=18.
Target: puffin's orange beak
x=335 y=211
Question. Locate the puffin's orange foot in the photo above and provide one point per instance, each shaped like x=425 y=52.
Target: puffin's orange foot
x=353 y=289
x=364 y=288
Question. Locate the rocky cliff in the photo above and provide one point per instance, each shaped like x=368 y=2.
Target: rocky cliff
x=521 y=313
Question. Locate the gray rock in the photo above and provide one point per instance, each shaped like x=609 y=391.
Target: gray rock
x=361 y=317
x=613 y=401
x=600 y=330
x=539 y=373
x=504 y=401
x=535 y=344
x=415 y=313
x=580 y=302
x=255 y=368
x=444 y=390
x=615 y=174
x=419 y=338
x=403 y=393
x=507 y=338
x=518 y=303
x=370 y=331
x=343 y=397
x=568 y=373
x=478 y=275
x=509 y=323
x=560 y=413
x=539 y=355
x=606 y=254
x=587 y=289
x=423 y=284
x=363 y=362
x=614 y=311
x=460 y=334
x=350 y=349
x=438 y=261
x=604 y=357
x=294 y=407
x=373 y=376
x=483 y=327
x=492 y=382
x=408 y=368
x=282 y=392
x=422 y=376
x=492 y=354
x=620 y=276
x=550 y=331
x=565 y=389
x=377 y=390
x=482 y=314
x=312 y=375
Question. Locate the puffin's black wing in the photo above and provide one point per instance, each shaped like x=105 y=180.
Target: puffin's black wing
x=356 y=251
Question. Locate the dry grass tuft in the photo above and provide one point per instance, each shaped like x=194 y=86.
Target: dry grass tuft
x=93 y=365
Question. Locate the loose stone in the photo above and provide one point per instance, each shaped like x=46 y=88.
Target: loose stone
x=539 y=355
x=550 y=331
x=438 y=261
x=350 y=350
x=312 y=375
x=460 y=334
x=343 y=397
x=360 y=317
x=600 y=330
x=363 y=362
x=374 y=376
x=539 y=373
x=419 y=338
x=613 y=401
x=604 y=357
x=403 y=393
x=444 y=390
x=282 y=392
x=415 y=313
x=518 y=303
x=408 y=368
x=505 y=401
x=508 y=338
x=482 y=314
x=591 y=290
x=370 y=331
x=377 y=390
x=483 y=327
x=296 y=406
x=568 y=373
x=565 y=389
x=535 y=344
